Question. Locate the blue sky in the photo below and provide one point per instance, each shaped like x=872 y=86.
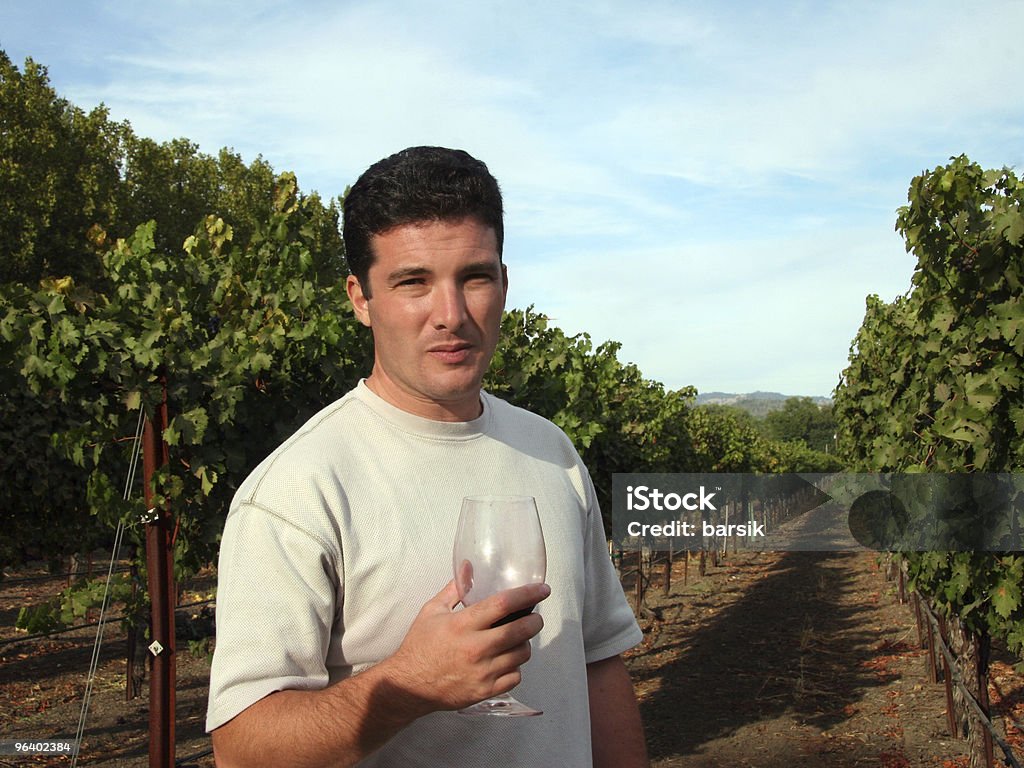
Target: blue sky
x=713 y=185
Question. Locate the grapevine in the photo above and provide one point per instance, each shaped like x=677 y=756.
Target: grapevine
x=934 y=382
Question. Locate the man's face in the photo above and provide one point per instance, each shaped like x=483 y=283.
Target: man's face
x=438 y=291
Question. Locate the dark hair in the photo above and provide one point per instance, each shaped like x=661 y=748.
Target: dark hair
x=419 y=184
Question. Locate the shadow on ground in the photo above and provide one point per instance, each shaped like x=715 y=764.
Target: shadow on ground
x=784 y=645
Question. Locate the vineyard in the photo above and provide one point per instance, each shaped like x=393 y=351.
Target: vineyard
x=140 y=277
x=812 y=658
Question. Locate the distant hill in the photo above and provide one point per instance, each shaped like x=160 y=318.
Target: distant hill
x=757 y=404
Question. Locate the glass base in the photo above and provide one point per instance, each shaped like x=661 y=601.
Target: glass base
x=501 y=706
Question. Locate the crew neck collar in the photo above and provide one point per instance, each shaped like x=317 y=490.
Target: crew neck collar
x=422 y=426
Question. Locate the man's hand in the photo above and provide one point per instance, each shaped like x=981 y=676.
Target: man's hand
x=450 y=659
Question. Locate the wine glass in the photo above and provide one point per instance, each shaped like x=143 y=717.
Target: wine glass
x=499 y=545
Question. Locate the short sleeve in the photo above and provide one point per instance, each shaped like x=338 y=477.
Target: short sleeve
x=276 y=604
x=609 y=627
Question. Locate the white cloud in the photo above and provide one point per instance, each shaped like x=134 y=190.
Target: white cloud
x=732 y=314
x=811 y=97
x=749 y=155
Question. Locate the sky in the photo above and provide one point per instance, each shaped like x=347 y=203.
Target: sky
x=712 y=185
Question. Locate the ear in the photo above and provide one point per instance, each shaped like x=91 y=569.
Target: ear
x=504 y=284
x=360 y=303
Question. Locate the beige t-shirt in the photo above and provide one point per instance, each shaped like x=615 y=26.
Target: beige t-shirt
x=338 y=538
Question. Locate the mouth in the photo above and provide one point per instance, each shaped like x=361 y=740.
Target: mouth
x=456 y=352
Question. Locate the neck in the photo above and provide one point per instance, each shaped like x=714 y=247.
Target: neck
x=456 y=410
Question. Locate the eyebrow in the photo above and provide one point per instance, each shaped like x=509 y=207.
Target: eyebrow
x=406 y=272
x=491 y=267
x=403 y=273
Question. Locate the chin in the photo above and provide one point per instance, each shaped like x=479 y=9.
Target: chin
x=453 y=391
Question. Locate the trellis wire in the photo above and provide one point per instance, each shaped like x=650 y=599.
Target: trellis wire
x=51 y=577
x=76 y=627
x=1008 y=758
x=183 y=760
x=97 y=645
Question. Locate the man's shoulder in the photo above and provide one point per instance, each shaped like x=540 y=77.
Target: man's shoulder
x=506 y=411
x=333 y=420
x=512 y=421
x=320 y=440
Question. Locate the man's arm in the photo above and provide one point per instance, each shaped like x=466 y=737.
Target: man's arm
x=616 y=732
x=447 y=660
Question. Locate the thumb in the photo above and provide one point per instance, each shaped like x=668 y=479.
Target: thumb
x=449 y=596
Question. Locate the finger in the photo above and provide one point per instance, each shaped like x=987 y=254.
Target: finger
x=506 y=683
x=513 y=658
x=515 y=634
x=449 y=596
x=488 y=612
x=507 y=668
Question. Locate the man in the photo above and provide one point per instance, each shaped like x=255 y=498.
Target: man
x=339 y=637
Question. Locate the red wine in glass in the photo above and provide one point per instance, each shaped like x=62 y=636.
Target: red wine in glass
x=499 y=545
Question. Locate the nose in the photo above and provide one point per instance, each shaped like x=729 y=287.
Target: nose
x=449 y=308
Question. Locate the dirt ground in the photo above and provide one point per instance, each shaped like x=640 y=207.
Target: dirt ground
x=42 y=685
x=787 y=660
x=773 y=660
